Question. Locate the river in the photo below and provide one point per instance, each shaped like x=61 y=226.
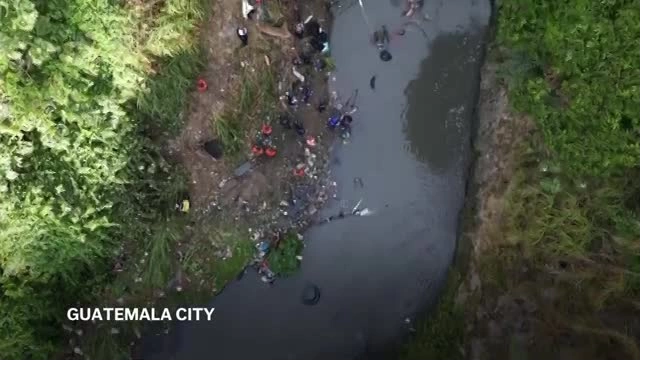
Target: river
x=411 y=148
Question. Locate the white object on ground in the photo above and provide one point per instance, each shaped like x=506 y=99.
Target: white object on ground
x=247 y=8
x=365 y=212
x=298 y=75
x=356 y=206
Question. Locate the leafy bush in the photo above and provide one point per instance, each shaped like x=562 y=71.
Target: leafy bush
x=283 y=260
x=72 y=151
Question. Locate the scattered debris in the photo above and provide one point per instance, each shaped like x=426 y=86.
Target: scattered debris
x=247 y=9
x=243 y=169
x=372 y=82
x=242 y=33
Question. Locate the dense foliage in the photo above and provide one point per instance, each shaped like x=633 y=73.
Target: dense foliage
x=579 y=78
x=75 y=171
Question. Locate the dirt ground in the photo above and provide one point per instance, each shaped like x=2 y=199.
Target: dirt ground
x=499 y=134
x=212 y=185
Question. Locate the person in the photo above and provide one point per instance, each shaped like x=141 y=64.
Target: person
x=413 y=5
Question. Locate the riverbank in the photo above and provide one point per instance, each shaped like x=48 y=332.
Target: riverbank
x=245 y=168
x=548 y=264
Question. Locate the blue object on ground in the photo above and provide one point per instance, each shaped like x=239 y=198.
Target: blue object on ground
x=264 y=246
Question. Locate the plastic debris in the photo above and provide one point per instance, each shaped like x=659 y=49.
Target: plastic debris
x=247 y=9
x=185 y=206
x=372 y=82
x=264 y=247
x=242 y=33
x=243 y=169
x=298 y=75
x=365 y=212
x=202 y=86
x=311 y=141
x=271 y=152
x=299 y=170
x=356 y=207
x=257 y=150
x=266 y=129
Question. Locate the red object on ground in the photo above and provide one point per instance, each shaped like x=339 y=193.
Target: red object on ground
x=257 y=151
x=299 y=172
x=202 y=86
x=271 y=152
x=311 y=141
x=266 y=129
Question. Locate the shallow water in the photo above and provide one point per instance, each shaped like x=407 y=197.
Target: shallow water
x=410 y=147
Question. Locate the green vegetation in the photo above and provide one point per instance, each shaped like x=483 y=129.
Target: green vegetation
x=283 y=260
x=84 y=88
x=441 y=337
x=252 y=104
x=569 y=223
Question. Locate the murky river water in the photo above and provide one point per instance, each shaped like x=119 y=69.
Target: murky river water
x=410 y=147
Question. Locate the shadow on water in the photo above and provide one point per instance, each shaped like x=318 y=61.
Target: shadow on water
x=436 y=136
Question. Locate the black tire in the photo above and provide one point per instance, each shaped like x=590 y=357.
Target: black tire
x=311 y=295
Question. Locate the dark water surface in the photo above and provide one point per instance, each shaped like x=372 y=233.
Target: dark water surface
x=410 y=147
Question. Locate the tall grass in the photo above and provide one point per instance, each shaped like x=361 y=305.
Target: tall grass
x=80 y=177
x=254 y=98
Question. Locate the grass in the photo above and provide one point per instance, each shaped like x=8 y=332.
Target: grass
x=164 y=100
x=255 y=99
x=206 y=257
x=440 y=335
x=283 y=260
